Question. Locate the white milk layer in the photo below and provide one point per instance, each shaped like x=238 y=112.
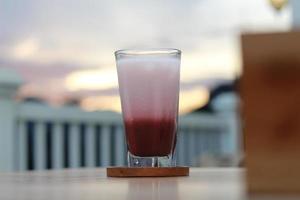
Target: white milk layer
x=149 y=86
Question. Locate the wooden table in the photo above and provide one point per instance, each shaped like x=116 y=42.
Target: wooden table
x=202 y=184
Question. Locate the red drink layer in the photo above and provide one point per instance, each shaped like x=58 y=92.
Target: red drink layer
x=150 y=137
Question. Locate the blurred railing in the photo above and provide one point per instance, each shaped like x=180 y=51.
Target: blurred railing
x=50 y=137
x=37 y=136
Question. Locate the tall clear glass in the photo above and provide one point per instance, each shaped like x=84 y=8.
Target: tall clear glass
x=149 y=91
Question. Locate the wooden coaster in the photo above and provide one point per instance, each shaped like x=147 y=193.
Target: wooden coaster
x=147 y=171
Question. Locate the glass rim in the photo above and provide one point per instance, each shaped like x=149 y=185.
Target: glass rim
x=148 y=51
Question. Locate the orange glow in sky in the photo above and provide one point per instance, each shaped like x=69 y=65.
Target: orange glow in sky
x=189 y=100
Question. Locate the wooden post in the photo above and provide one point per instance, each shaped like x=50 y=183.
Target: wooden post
x=9 y=83
x=270 y=92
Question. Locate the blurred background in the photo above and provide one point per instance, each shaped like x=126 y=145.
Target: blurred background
x=59 y=101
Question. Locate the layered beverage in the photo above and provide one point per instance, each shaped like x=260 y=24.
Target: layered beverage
x=149 y=90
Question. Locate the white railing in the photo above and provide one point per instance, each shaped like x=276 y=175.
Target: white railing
x=36 y=136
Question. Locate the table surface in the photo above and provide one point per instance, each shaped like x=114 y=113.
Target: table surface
x=204 y=184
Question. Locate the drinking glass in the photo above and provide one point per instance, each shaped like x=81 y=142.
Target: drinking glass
x=149 y=91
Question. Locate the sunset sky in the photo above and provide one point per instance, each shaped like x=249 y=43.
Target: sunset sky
x=64 y=48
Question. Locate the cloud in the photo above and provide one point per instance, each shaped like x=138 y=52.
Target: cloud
x=32 y=71
x=45 y=80
x=26 y=49
x=96 y=79
x=87 y=32
x=68 y=45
